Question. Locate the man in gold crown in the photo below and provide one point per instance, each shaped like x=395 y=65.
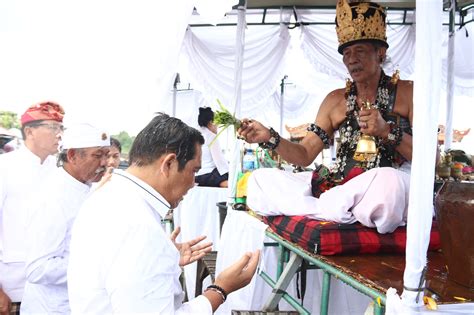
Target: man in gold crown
x=369 y=187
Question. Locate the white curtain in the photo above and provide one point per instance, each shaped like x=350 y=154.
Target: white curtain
x=308 y=55
x=211 y=52
x=425 y=116
x=319 y=44
x=463 y=61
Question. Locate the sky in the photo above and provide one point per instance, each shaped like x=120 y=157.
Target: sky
x=100 y=61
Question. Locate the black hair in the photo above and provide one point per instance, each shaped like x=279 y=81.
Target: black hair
x=114 y=142
x=206 y=115
x=165 y=134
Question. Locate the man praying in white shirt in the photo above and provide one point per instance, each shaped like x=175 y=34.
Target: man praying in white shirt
x=21 y=173
x=122 y=260
x=83 y=159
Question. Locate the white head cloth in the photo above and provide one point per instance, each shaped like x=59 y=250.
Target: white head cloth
x=83 y=135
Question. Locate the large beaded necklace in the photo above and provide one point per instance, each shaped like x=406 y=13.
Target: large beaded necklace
x=349 y=131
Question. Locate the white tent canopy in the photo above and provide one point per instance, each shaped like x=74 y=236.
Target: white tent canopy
x=208 y=69
x=209 y=53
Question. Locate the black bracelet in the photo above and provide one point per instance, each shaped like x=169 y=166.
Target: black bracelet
x=218 y=289
x=273 y=142
x=395 y=135
x=321 y=133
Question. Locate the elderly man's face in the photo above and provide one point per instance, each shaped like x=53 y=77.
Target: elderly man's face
x=362 y=60
x=91 y=163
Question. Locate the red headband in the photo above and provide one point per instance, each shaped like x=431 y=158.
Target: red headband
x=43 y=111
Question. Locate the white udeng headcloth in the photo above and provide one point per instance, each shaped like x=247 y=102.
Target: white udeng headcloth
x=83 y=135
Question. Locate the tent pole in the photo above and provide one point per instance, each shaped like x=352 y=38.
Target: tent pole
x=448 y=131
x=235 y=165
x=175 y=92
x=282 y=102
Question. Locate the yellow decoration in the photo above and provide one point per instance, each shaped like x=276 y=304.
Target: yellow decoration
x=242 y=185
x=366 y=149
x=430 y=303
x=368 y=22
x=348 y=86
x=395 y=77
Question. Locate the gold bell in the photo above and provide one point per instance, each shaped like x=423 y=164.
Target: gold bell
x=366 y=149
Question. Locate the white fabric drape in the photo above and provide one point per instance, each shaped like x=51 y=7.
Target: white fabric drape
x=463 y=61
x=307 y=55
x=426 y=100
x=211 y=53
x=319 y=44
x=197 y=215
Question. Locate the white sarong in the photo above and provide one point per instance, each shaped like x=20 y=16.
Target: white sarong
x=376 y=198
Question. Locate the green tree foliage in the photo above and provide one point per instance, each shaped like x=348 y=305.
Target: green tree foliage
x=125 y=140
x=9 y=120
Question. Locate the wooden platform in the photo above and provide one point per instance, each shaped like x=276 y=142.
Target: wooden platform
x=379 y=272
x=384 y=271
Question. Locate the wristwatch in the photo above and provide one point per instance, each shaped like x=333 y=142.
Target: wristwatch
x=391 y=136
x=273 y=142
x=395 y=134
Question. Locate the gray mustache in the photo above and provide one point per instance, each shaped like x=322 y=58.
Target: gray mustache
x=100 y=170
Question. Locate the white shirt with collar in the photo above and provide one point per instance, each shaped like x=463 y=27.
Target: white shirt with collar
x=212 y=156
x=21 y=174
x=122 y=260
x=48 y=236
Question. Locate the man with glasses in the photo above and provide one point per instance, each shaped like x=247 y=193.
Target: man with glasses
x=22 y=172
x=82 y=160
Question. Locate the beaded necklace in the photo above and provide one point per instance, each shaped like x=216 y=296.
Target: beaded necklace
x=349 y=131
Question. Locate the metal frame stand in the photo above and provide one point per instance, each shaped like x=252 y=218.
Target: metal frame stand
x=286 y=274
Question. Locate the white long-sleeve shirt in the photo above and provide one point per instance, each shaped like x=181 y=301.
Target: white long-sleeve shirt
x=122 y=260
x=21 y=174
x=48 y=236
x=212 y=156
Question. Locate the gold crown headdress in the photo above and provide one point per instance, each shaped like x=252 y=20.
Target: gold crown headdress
x=359 y=21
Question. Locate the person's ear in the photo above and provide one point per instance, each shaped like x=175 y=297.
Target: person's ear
x=382 y=53
x=71 y=154
x=167 y=163
x=28 y=131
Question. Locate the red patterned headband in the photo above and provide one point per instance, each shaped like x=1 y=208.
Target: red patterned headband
x=43 y=111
